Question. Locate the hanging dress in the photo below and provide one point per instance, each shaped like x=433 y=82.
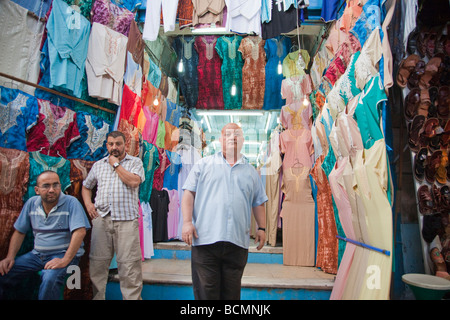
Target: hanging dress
x=327 y=243
x=282 y=19
x=298 y=206
x=188 y=76
x=276 y=50
x=14 y=176
x=253 y=72
x=210 y=95
x=374 y=167
x=227 y=48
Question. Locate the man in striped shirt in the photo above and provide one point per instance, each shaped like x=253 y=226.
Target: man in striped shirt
x=115 y=226
x=59 y=225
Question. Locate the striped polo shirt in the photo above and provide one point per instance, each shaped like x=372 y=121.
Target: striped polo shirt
x=112 y=194
x=52 y=232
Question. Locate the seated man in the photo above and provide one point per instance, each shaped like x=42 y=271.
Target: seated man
x=59 y=225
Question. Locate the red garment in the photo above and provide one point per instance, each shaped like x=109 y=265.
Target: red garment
x=14 y=177
x=131 y=106
x=55 y=130
x=158 y=175
x=210 y=95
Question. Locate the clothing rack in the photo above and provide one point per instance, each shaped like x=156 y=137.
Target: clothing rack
x=55 y=92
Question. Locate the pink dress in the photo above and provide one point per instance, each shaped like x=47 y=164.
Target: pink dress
x=298 y=206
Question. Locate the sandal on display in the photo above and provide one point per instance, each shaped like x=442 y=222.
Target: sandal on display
x=445 y=136
x=412 y=101
x=413 y=135
x=428 y=131
x=411 y=45
x=419 y=164
x=424 y=103
x=432 y=165
x=425 y=199
x=445 y=198
x=431 y=74
x=405 y=68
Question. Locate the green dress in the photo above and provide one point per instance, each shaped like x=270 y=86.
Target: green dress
x=232 y=63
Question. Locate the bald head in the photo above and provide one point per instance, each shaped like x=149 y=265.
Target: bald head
x=232 y=140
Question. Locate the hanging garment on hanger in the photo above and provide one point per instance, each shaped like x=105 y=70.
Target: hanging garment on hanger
x=207 y=12
x=136 y=44
x=172 y=215
x=133 y=75
x=298 y=227
x=150 y=160
x=172 y=136
x=282 y=20
x=231 y=67
x=14 y=177
x=92 y=143
x=133 y=138
x=296 y=88
x=108 y=14
x=291 y=65
x=276 y=50
x=170 y=181
x=187 y=74
x=55 y=130
x=164 y=163
x=19 y=112
x=253 y=72
x=105 y=63
x=68 y=38
x=159 y=203
x=39 y=163
x=296 y=116
x=153 y=14
x=20 y=42
x=210 y=94
x=244 y=16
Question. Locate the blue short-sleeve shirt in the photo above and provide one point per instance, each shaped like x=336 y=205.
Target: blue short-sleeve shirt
x=224 y=198
x=52 y=233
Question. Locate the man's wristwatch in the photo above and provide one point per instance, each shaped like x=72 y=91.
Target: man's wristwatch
x=115 y=165
x=263 y=229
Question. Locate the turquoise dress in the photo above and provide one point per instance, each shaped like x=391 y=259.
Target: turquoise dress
x=232 y=63
x=150 y=160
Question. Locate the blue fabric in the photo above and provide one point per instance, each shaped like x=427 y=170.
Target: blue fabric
x=170 y=181
x=19 y=112
x=52 y=232
x=330 y=10
x=154 y=74
x=173 y=113
x=224 y=197
x=53 y=280
x=68 y=39
x=276 y=50
x=131 y=5
x=92 y=143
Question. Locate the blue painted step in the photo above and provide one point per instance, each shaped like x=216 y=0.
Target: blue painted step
x=167 y=276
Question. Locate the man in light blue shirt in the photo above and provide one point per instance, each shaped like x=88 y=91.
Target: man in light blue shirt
x=220 y=193
x=59 y=225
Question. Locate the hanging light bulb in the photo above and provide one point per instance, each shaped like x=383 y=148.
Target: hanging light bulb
x=280 y=68
x=305 y=100
x=180 y=66
x=233 y=90
x=155 y=102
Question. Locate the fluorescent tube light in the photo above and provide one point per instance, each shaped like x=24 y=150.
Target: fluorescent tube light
x=210 y=30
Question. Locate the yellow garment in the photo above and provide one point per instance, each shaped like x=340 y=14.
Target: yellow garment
x=291 y=66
